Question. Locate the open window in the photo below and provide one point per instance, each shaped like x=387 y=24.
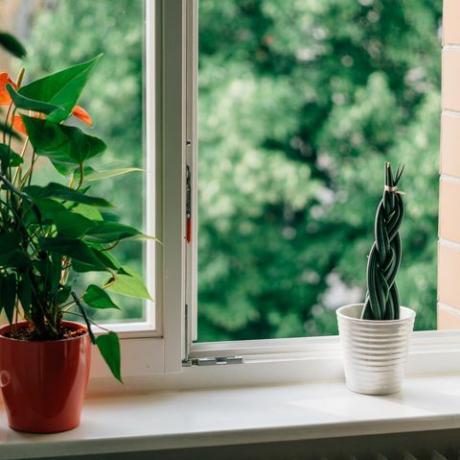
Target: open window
x=261 y=127
x=297 y=106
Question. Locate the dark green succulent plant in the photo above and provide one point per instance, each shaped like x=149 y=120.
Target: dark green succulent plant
x=382 y=299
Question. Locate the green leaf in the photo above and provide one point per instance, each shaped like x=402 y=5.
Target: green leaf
x=97 y=297
x=8 y=295
x=107 y=232
x=129 y=284
x=11 y=252
x=25 y=103
x=65 y=146
x=101 y=175
x=48 y=207
x=54 y=190
x=109 y=346
x=105 y=262
x=63 y=294
x=90 y=212
x=70 y=224
x=12 y=45
x=8 y=157
x=75 y=249
x=62 y=88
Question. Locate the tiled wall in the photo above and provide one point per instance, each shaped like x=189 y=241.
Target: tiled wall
x=449 y=206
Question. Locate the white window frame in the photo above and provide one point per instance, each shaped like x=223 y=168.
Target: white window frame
x=155 y=347
x=168 y=360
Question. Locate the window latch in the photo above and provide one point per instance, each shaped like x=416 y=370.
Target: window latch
x=214 y=361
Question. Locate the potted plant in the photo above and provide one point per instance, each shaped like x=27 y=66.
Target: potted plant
x=51 y=236
x=375 y=335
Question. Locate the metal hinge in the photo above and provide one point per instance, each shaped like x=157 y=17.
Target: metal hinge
x=213 y=361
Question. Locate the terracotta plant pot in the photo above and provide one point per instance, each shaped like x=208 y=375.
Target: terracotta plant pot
x=44 y=383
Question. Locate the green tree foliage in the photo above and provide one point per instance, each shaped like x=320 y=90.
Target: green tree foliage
x=301 y=102
x=64 y=32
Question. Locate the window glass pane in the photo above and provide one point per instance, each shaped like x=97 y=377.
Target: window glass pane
x=59 y=33
x=300 y=104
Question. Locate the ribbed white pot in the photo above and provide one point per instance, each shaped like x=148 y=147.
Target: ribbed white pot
x=374 y=352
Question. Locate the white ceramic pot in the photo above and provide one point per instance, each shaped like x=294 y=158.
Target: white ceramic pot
x=374 y=352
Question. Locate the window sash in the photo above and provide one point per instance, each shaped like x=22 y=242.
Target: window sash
x=156 y=346
x=288 y=347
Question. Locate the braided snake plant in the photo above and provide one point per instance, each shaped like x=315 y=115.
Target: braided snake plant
x=382 y=299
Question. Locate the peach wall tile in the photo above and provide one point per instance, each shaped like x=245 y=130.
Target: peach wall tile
x=451 y=22
x=449 y=209
x=450 y=144
x=449 y=275
x=450 y=79
x=448 y=318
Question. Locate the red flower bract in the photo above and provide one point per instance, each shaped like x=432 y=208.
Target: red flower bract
x=5 y=98
x=83 y=115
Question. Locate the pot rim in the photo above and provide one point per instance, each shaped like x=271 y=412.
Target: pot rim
x=382 y=322
x=77 y=326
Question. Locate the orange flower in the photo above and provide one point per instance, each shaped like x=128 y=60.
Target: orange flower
x=5 y=98
x=77 y=112
x=18 y=125
x=83 y=115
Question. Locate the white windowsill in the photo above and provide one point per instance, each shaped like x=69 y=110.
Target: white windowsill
x=200 y=418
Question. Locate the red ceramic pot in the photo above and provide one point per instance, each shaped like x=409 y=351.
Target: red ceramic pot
x=44 y=383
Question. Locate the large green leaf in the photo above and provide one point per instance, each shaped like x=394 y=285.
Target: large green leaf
x=129 y=284
x=71 y=225
x=65 y=146
x=97 y=297
x=106 y=262
x=107 y=232
x=109 y=346
x=12 y=45
x=63 y=294
x=11 y=252
x=61 y=89
x=47 y=209
x=90 y=212
x=54 y=190
x=69 y=222
x=72 y=248
x=25 y=103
